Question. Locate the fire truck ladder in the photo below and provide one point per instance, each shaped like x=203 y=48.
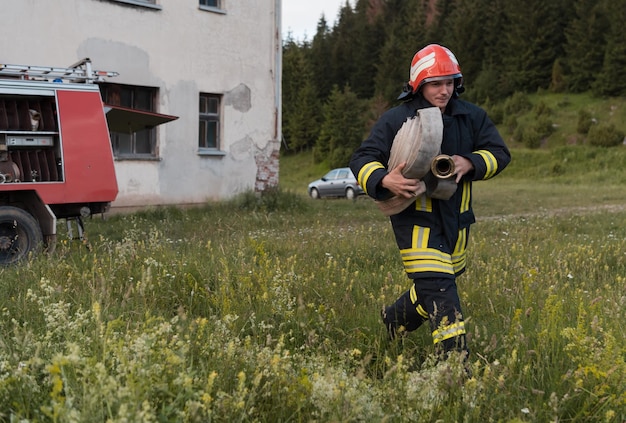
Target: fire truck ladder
x=78 y=72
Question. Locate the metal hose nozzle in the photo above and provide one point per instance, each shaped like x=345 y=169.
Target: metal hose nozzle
x=442 y=166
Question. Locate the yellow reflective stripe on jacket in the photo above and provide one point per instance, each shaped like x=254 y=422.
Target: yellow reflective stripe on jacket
x=459 y=262
x=490 y=162
x=449 y=331
x=466 y=196
x=420 y=237
x=366 y=171
x=459 y=254
x=424 y=203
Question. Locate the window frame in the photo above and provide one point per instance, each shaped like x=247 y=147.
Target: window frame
x=108 y=91
x=210 y=116
x=218 y=8
x=148 y=4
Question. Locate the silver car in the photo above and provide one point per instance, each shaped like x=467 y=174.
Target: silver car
x=336 y=183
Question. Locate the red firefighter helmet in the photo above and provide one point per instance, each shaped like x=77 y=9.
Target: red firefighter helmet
x=434 y=63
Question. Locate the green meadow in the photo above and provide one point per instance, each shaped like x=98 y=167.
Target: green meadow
x=266 y=309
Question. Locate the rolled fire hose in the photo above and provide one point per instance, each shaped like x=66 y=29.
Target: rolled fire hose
x=418 y=143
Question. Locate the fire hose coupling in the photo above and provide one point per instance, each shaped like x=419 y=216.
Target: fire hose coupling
x=442 y=166
x=440 y=181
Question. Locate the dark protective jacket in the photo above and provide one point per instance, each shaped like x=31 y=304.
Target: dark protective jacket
x=432 y=234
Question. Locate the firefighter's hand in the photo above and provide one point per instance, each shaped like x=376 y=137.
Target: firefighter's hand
x=401 y=186
x=462 y=166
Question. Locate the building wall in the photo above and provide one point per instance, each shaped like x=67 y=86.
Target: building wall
x=183 y=50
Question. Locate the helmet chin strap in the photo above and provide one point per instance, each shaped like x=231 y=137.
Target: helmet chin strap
x=407 y=92
x=458 y=86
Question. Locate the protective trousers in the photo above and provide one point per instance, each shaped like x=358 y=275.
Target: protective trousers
x=435 y=300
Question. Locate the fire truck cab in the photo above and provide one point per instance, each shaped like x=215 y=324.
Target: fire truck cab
x=56 y=160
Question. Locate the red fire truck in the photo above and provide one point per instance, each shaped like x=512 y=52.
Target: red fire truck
x=56 y=160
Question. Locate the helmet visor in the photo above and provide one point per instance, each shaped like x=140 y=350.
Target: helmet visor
x=440 y=78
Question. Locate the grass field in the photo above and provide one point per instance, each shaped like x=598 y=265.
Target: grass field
x=267 y=310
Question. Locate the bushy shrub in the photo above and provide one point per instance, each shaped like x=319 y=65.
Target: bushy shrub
x=533 y=134
x=495 y=112
x=557 y=169
x=545 y=125
x=510 y=124
x=518 y=133
x=605 y=135
x=517 y=104
x=530 y=136
x=584 y=122
x=482 y=87
x=542 y=109
x=557 y=84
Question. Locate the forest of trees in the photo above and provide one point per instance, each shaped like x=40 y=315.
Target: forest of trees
x=336 y=84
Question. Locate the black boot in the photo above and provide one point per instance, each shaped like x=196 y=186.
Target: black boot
x=401 y=317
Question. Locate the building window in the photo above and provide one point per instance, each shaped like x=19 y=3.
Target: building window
x=213 y=6
x=210 y=3
x=141 y=143
x=149 y=4
x=209 y=131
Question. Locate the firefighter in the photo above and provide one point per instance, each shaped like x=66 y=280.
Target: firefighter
x=432 y=234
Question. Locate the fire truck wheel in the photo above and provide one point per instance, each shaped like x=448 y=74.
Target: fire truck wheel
x=20 y=235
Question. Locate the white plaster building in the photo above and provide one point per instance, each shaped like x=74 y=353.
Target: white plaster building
x=216 y=64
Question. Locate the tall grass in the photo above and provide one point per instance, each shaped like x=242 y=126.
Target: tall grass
x=267 y=309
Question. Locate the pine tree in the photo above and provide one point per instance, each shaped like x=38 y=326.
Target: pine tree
x=462 y=37
x=343 y=40
x=481 y=63
x=319 y=54
x=368 y=41
x=343 y=128
x=392 y=70
x=304 y=125
x=534 y=41
x=557 y=85
x=585 y=44
x=611 y=80
x=405 y=24
x=301 y=108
